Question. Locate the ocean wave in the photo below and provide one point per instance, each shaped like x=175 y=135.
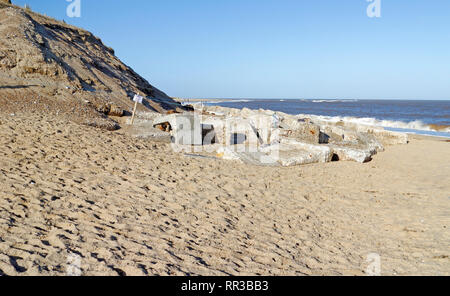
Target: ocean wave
x=334 y=101
x=412 y=125
x=195 y=103
x=186 y=103
x=238 y=101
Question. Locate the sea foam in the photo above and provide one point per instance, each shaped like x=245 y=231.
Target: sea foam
x=412 y=125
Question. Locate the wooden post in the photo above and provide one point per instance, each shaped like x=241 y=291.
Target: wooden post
x=134 y=112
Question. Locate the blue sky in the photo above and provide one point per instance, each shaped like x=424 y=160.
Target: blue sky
x=275 y=48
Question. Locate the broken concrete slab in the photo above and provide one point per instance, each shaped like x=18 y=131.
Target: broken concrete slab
x=301 y=129
x=257 y=158
x=290 y=152
x=352 y=154
x=390 y=138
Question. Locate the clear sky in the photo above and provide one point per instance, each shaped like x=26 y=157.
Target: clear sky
x=275 y=48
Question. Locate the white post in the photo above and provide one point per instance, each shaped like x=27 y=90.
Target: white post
x=134 y=112
x=137 y=99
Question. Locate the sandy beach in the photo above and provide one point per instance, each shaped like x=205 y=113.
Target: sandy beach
x=129 y=206
x=90 y=183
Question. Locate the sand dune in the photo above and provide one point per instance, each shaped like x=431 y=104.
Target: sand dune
x=58 y=68
x=131 y=206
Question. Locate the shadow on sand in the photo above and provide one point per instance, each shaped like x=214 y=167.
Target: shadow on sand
x=17 y=86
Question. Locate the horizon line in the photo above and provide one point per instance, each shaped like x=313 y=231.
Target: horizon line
x=308 y=99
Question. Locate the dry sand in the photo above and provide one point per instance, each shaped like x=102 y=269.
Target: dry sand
x=131 y=206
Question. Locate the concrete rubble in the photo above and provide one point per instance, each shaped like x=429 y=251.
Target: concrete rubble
x=264 y=137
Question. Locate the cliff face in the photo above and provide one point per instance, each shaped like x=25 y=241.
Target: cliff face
x=49 y=64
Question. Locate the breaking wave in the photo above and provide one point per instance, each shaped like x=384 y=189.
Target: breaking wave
x=334 y=101
x=412 y=125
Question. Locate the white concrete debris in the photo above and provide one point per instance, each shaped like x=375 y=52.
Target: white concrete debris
x=264 y=137
x=292 y=152
x=187 y=128
x=358 y=155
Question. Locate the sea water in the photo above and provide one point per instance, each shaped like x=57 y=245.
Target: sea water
x=411 y=116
